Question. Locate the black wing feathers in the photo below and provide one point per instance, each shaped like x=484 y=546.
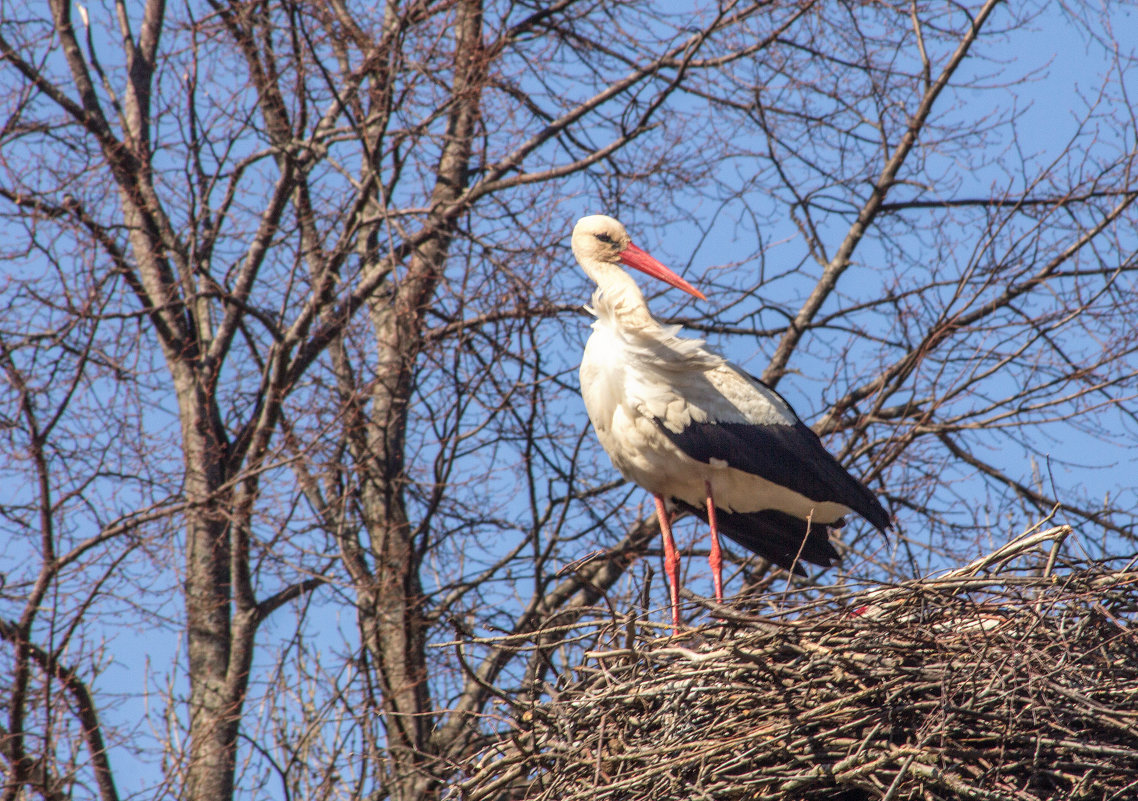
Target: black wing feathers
x=783 y=539
x=790 y=455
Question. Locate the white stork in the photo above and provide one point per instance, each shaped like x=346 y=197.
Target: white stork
x=698 y=432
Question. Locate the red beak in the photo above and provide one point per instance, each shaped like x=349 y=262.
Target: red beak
x=635 y=257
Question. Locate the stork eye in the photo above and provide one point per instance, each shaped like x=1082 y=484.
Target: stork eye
x=604 y=238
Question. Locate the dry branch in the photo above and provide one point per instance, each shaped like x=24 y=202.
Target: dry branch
x=1018 y=684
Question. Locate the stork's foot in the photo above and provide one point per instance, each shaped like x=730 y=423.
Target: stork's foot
x=671 y=561
x=715 y=558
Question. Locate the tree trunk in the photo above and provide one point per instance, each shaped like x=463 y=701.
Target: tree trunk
x=214 y=712
x=390 y=596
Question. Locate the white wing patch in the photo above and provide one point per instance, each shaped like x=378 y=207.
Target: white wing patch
x=656 y=373
x=741 y=399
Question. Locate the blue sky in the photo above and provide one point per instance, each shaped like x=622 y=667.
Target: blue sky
x=1067 y=69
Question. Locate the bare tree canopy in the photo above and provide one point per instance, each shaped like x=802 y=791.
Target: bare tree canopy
x=290 y=333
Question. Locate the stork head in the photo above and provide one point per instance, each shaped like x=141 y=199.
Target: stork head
x=600 y=240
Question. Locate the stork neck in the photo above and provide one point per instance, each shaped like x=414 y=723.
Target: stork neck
x=617 y=291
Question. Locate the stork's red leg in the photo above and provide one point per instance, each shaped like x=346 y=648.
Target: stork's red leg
x=715 y=558
x=671 y=561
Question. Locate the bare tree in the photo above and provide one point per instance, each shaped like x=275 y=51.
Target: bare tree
x=991 y=282
x=290 y=332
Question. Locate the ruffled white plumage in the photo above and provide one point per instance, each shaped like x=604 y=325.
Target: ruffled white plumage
x=637 y=375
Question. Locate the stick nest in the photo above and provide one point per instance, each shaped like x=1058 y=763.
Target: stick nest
x=980 y=684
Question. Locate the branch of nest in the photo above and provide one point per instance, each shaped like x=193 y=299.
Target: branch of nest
x=987 y=682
